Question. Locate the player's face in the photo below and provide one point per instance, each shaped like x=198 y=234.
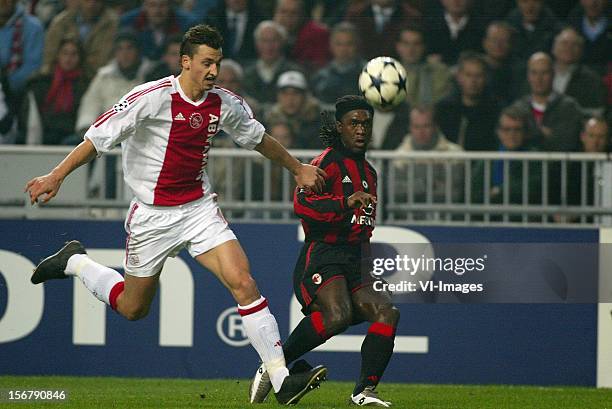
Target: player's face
x=203 y=68
x=355 y=129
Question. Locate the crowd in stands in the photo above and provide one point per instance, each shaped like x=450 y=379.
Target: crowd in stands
x=482 y=74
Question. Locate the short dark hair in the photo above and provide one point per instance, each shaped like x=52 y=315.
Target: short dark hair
x=515 y=113
x=202 y=34
x=472 y=56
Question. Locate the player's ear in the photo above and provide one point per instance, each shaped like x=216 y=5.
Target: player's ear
x=185 y=62
x=339 y=126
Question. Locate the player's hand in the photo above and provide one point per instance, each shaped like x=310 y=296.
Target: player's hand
x=47 y=185
x=310 y=177
x=360 y=200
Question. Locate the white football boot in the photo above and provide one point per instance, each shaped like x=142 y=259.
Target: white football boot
x=260 y=385
x=369 y=397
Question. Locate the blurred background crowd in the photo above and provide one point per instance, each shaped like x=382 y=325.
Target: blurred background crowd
x=510 y=75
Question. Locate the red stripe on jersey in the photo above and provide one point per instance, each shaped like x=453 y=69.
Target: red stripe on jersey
x=102 y=118
x=137 y=95
x=252 y=310
x=129 y=229
x=353 y=171
x=131 y=98
x=238 y=97
x=181 y=175
x=308 y=255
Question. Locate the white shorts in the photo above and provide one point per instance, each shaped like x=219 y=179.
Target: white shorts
x=155 y=233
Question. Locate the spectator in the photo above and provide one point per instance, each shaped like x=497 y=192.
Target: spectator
x=297 y=108
x=497 y=45
x=453 y=30
x=91 y=22
x=378 y=23
x=261 y=76
x=45 y=10
x=50 y=109
x=594 y=138
x=590 y=19
x=555 y=119
x=426 y=136
x=236 y=19
x=124 y=72
x=127 y=69
x=507 y=176
x=341 y=75
x=8 y=129
x=21 y=39
x=468 y=115
x=535 y=26
x=284 y=133
x=231 y=77
x=199 y=9
x=573 y=78
x=170 y=63
x=427 y=81
x=307 y=39
x=154 y=22
x=390 y=126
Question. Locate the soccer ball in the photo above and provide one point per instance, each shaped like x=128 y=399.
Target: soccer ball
x=383 y=82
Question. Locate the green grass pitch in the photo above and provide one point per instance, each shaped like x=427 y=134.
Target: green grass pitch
x=126 y=393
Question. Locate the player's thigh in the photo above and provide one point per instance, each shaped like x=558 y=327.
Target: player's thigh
x=228 y=263
x=152 y=237
x=334 y=302
x=374 y=306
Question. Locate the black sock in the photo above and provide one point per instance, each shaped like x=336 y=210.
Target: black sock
x=309 y=334
x=376 y=351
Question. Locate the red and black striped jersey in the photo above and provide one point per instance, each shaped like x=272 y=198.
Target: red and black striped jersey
x=326 y=216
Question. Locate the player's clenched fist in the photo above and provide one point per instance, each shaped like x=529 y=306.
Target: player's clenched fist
x=360 y=199
x=48 y=184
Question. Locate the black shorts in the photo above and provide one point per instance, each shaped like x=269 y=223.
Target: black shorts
x=320 y=263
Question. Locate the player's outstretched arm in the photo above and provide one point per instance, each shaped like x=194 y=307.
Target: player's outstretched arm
x=50 y=183
x=306 y=176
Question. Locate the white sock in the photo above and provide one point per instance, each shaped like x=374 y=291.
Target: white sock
x=262 y=330
x=98 y=279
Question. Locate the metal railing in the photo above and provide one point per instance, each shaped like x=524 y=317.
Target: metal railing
x=459 y=188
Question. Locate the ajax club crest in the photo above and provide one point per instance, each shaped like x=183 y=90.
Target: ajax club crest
x=196 y=120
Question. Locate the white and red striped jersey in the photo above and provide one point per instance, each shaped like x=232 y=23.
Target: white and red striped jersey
x=165 y=138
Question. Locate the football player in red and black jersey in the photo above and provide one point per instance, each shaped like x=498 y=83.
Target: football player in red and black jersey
x=329 y=282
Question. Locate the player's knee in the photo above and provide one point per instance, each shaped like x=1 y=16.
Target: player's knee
x=135 y=313
x=244 y=283
x=389 y=314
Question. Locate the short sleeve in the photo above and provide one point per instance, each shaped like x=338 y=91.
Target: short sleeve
x=237 y=120
x=118 y=123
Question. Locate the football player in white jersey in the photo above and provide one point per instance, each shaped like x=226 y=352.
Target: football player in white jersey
x=164 y=128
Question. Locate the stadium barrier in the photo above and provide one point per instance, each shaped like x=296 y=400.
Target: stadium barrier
x=194 y=331
x=450 y=188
